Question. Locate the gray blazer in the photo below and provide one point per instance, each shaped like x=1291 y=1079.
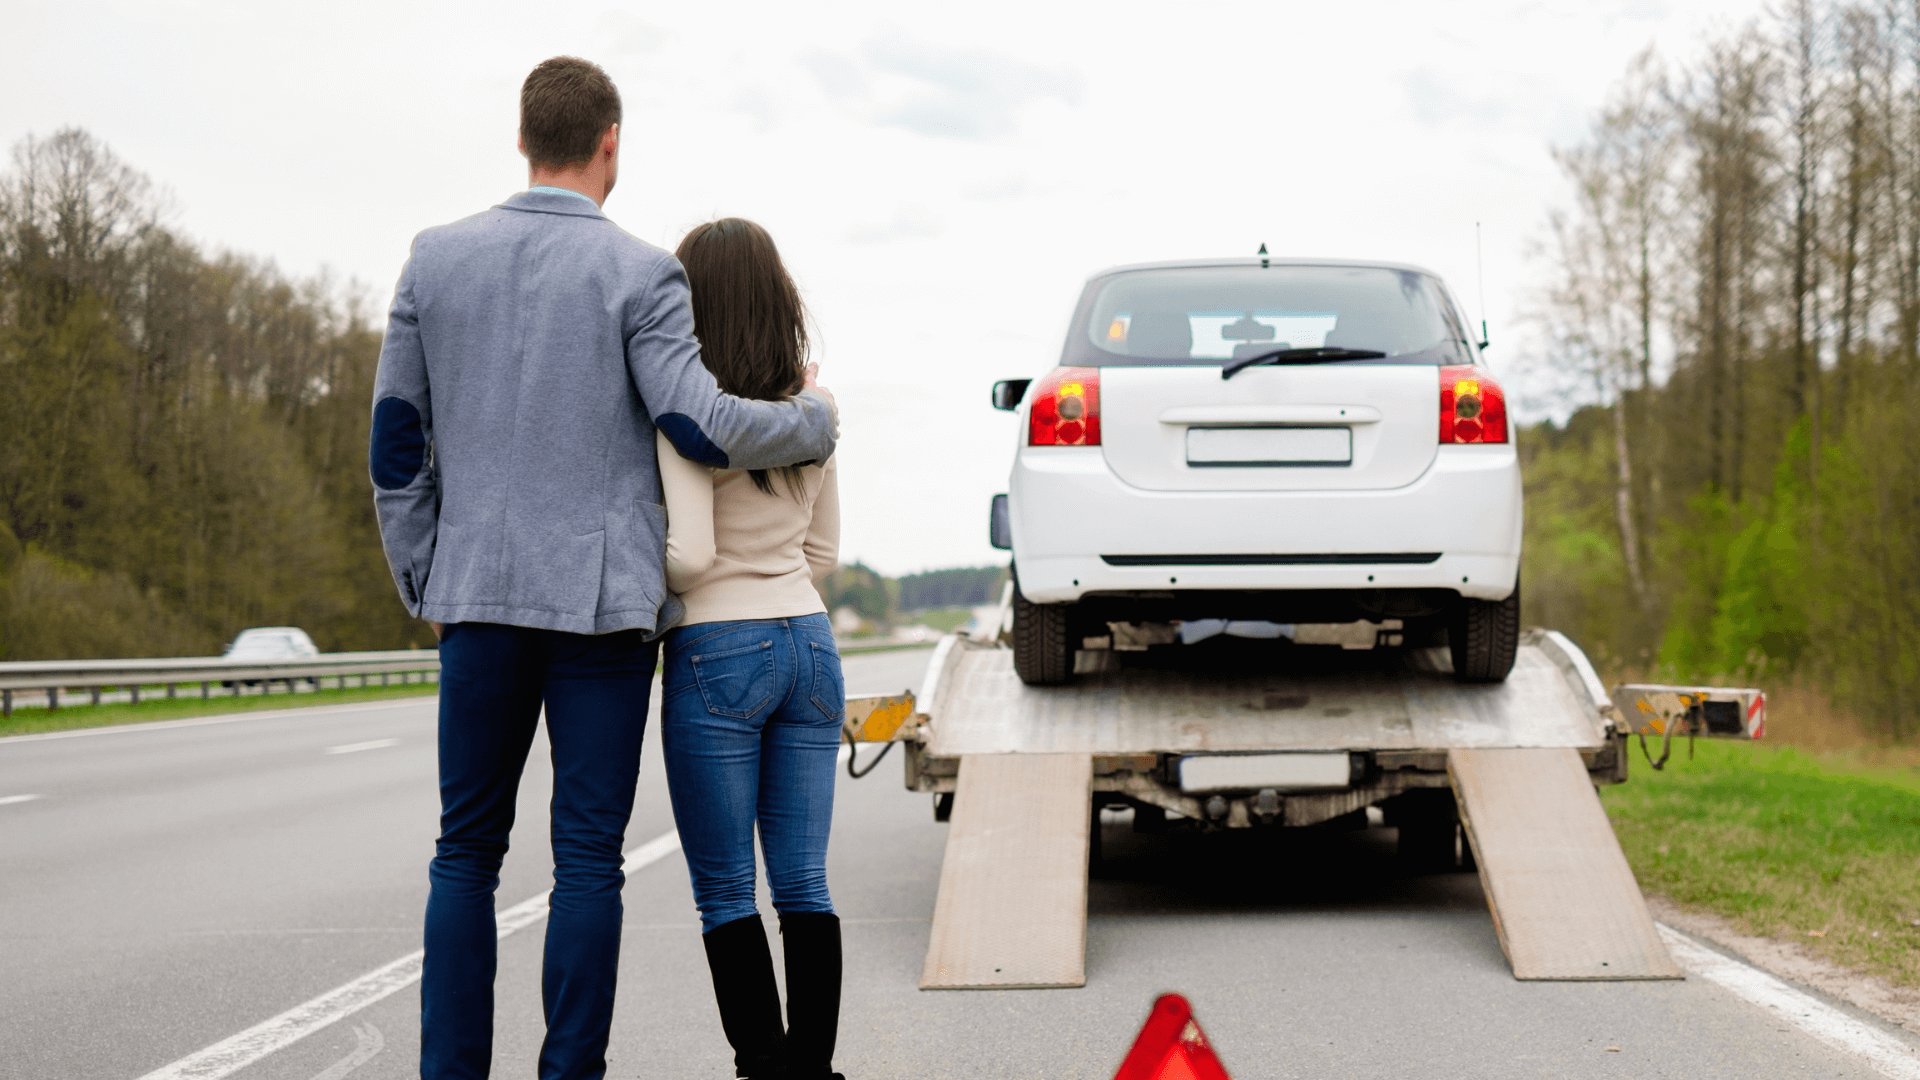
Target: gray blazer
x=531 y=352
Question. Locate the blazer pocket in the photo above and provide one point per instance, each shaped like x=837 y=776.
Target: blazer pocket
x=555 y=570
x=636 y=549
x=465 y=570
x=829 y=684
x=736 y=682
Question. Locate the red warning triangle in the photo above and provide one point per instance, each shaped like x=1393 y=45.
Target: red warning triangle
x=1171 y=1046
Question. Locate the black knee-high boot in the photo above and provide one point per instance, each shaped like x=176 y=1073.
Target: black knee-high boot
x=812 y=943
x=749 y=1000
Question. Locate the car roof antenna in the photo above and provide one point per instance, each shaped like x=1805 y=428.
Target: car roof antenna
x=1263 y=259
x=1480 y=270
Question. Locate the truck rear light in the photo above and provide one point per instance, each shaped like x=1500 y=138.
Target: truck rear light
x=1066 y=408
x=1473 y=408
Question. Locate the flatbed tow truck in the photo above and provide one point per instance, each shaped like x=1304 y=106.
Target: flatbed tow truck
x=1499 y=777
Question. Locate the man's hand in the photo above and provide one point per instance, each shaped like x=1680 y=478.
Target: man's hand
x=436 y=629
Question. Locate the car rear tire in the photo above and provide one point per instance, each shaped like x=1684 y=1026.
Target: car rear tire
x=1484 y=636
x=1042 y=649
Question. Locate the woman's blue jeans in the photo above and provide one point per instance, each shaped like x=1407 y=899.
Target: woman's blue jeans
x=493 y=682
x=750 y=733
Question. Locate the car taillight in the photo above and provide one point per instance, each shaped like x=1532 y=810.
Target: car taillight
x=1066 y=408
x=1473 y=408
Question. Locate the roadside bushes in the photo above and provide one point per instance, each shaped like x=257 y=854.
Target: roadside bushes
x=50 y=607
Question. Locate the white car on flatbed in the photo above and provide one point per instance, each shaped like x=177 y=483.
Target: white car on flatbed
x=1282 y=440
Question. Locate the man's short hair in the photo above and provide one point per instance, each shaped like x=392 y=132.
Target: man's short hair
x=565 y=105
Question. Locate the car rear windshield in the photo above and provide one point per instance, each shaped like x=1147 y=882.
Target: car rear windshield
x=1218 y=314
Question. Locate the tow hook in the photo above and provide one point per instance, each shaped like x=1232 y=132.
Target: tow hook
x=1266 y=805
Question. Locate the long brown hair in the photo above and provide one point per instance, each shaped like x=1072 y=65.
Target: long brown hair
x=748 y=317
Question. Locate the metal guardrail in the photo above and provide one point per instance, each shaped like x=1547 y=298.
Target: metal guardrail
x=53 y=676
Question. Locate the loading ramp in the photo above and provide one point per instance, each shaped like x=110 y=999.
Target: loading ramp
x=1564 y=900
x=1012 y=907
x=1025 y=766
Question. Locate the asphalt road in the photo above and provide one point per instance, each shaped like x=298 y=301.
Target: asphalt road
x=174 y=885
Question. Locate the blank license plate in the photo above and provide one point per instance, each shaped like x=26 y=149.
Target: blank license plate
x=1251 y=772
x=1269 y=446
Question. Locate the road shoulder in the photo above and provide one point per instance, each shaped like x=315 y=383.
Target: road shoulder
x=1787 y=960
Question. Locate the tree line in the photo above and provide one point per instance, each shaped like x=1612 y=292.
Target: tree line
x=183 y=437
x=883 y=600
x=185 y=432
x=1734 y=291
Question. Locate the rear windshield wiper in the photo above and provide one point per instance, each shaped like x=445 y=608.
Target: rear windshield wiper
x=1315 y=355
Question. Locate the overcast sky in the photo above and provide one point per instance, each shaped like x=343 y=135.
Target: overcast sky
x=941 y=178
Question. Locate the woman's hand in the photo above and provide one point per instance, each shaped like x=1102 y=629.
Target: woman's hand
x=811 y=373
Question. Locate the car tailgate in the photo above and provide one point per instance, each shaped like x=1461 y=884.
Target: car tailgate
x=1272 y=428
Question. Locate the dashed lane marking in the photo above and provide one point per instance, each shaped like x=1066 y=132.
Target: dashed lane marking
x=230 y=1055
x=356 y=747
x=1884 y=1053
x=9 y=800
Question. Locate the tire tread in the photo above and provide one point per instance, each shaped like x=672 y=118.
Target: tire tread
x=1485 y=639
x=1042 y=655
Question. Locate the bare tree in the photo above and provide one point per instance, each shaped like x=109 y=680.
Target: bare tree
x=1601 y=307
x=1732 y=182
x=1803 y=99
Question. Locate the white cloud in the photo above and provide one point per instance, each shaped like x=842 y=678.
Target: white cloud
x=758 y=104
x=998 y=189
x=909 y=222
x=934 y=90
x=837 y=74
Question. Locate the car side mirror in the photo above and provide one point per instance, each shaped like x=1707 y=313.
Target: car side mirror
x=1008 y=392
x=1000 y=524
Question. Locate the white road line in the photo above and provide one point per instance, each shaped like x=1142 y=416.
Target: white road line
x=371 y=1042
x=9 y=800
x=230 y=718
x=356 y=747
x=230 y=1055
x=1887 y=1055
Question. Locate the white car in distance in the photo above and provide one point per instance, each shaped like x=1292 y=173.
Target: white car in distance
x=1296 y=441
x=260 y=643
x=270 y=643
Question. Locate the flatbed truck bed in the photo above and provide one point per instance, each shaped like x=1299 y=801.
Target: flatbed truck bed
x=1497 y=777
x=1395 y=713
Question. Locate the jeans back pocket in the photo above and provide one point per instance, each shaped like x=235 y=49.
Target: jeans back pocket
x=736 y=682
x=829 y=691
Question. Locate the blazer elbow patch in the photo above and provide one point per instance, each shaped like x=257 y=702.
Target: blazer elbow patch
x=399 y=444
x=692 y=443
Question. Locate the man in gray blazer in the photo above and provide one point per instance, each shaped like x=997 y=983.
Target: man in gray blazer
x=531 y=352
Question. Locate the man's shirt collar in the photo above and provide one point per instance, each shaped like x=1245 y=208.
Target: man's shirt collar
x=548 y=189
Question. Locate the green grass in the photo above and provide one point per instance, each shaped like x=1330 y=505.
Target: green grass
x=853 y=647
x=35 y=720
x=945 y=620
x=1785 y=845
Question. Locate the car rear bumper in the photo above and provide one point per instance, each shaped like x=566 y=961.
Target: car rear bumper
x=1077 y=528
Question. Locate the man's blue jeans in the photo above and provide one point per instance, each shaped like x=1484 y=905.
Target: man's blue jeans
x=750 y=732
x=493 y=681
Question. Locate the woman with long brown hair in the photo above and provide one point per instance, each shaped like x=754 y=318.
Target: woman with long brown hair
x=752 y=695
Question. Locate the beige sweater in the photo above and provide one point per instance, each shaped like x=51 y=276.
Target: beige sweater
x=736 y=553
